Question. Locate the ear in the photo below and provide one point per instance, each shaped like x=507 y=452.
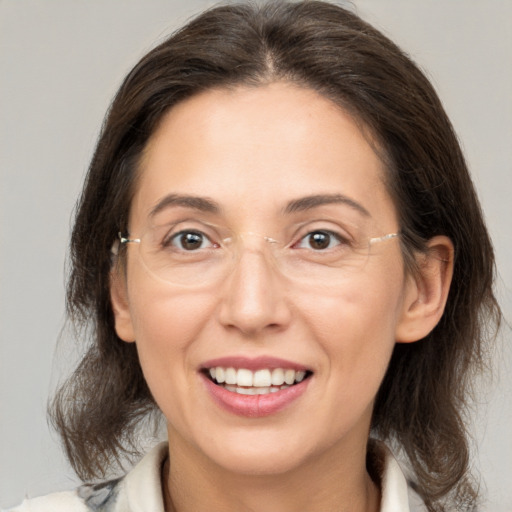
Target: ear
x=120 y=305
x=426 y=291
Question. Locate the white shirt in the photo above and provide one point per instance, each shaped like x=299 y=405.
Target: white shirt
x=141 y=491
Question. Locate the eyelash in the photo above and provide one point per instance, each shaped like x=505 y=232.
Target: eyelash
x=322 y=232
x=169 y=241
x=329 y=234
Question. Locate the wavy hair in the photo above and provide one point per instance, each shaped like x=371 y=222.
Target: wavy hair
x=421 y=404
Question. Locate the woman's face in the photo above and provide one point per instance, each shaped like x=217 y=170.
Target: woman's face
x=280 y=162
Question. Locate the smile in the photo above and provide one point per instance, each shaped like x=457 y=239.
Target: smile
x=259 y=382
x=255 y=387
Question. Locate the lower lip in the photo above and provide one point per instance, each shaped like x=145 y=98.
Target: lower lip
x=255 y=406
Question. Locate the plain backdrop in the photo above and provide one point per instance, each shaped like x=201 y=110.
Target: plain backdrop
x=61 y=62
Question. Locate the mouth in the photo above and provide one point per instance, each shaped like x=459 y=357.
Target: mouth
x=263 y=381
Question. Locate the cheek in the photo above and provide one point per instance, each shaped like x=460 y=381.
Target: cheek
x=364 y=306
x=160 y=313
x=356 y=330
x=166 y=326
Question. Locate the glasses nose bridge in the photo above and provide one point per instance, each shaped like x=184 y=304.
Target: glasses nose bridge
x=253 y=243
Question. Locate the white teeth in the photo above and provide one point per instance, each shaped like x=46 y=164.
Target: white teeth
x=246 y=391
x=255 y=390
x=220 y=375
x=262 y=381
x=277 y=377
x=230 y=376
x=289 y=377
x=244 y=377
x=262 y=378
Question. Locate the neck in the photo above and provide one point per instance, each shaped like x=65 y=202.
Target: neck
x=335 y=482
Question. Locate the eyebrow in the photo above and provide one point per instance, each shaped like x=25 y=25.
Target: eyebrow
x=208 y=205
x=310 y=202
x=203 y=204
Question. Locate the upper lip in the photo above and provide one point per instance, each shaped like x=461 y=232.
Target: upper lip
x=253 y=363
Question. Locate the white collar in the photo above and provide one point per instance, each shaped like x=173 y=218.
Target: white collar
x=142 y=484
x=394 y=491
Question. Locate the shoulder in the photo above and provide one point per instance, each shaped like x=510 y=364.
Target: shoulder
x=86 y=498
x=396 y=493
x=140 y=489
x=58 y=502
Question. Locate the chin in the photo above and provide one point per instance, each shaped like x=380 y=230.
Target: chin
x=256 y=463
x=259 y=453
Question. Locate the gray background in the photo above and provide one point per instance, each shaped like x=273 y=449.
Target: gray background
x=60 y=63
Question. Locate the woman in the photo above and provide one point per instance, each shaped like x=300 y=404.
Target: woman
x=279 y=247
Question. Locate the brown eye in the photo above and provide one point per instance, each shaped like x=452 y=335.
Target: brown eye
x=190 y=241
x=319 y=240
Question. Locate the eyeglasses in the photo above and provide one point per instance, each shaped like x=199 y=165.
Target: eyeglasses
x=193 y=257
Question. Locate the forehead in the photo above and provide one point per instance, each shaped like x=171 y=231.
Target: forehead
x=254 y=149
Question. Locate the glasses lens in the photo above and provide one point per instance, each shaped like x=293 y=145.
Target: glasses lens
x=191 y=258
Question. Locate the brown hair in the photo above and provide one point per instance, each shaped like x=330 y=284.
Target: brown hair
x=422 y=401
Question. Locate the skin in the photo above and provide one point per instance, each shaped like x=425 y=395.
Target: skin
x=252 y=150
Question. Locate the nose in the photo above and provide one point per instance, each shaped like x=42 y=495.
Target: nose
x=254 y=297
